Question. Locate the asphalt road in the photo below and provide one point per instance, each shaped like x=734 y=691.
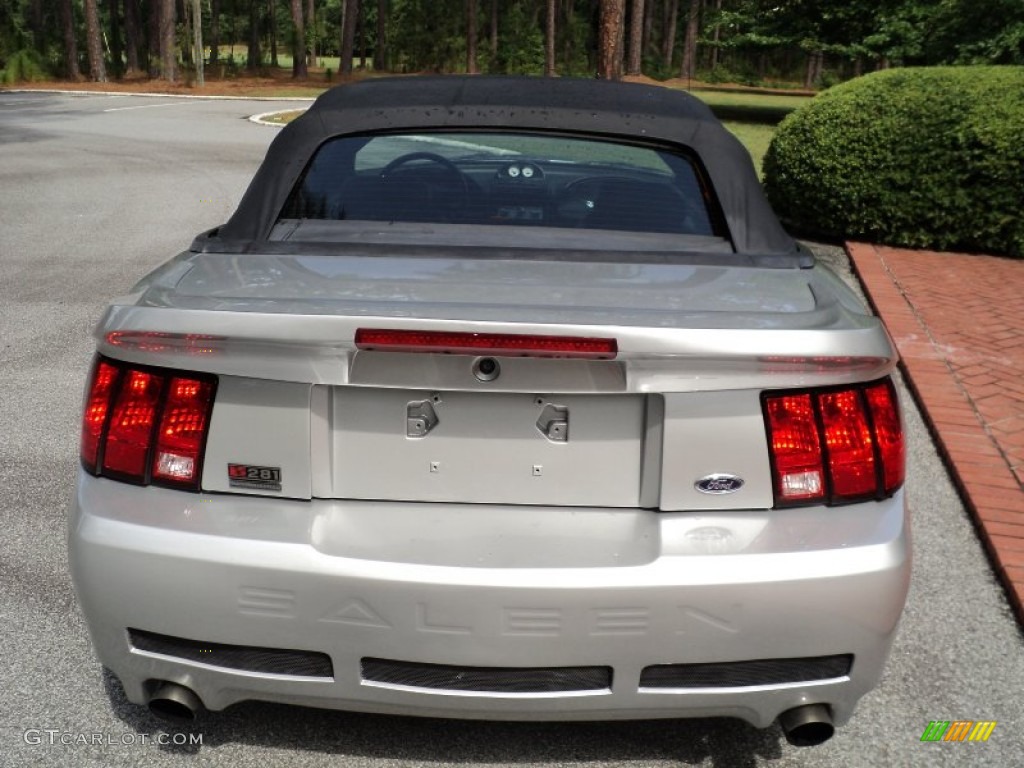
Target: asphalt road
x=96 y=191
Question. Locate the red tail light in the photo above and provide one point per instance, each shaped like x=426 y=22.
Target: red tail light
x=835 y=446
x=97 y=403
x=796 y=447
x=849 y=444
x=146 y=425
x=182 y=431
x=130 y=430
x=486 y=343
x=889 y=433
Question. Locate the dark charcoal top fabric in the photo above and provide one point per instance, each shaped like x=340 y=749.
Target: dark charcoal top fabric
x=521 y=103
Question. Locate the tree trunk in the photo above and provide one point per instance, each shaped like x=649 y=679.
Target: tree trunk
x=114 y=37
x=131 y=36
x=636 y=38
x=312 y=32
x=668 y=40
x=549 y=40
x=471 y=67
x=298 y=42
x=168 y=54
x=214 y=31
x=38 y=29
x=380 y=53
x=197 y=42
x=185 y=11
x=67 y=26
x=232 y=29
x=254 y=57
x=494 y=30
x=94 y=46
x=717 y=36
x=815 y=65
x=152 y=17
x=348 y=37
x=609 y=49
x=649 y=26
x=362 y=39
x=568 y=35
x=272 y=12
x=622 y=41
x=689 y=68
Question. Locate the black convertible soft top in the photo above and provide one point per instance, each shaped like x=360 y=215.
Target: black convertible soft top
x=595 y=107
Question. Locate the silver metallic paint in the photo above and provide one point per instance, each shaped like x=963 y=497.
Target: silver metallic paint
x=344 y=578
x=570 y=577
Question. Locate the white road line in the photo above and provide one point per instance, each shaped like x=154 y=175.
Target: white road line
x=146 y=106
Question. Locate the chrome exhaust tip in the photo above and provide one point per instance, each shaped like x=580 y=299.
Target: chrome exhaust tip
x=807 y=726
x=174 y=702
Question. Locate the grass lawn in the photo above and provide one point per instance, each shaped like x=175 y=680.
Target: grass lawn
x=750 y=107
x=284 y=61
x=754 y=136
x=284 y=117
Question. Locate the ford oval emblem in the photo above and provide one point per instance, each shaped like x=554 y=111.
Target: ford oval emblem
x=716 y=484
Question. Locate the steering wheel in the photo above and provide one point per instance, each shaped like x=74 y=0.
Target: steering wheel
x=457 y=202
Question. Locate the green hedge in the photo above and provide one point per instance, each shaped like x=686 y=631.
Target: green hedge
x=929 y=157
x=24 y=66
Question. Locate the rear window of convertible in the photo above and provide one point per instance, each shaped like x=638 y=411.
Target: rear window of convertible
x=503 y=179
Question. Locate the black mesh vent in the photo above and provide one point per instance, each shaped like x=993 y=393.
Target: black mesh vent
x=487 y=679
x=740 y=673
x=274 y=661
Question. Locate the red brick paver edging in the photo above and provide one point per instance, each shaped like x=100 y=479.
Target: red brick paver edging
x=958 y=322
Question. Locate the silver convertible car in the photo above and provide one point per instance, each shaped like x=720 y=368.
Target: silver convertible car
x=497 y=398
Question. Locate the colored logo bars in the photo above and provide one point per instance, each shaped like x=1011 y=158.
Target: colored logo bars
x=958 y=730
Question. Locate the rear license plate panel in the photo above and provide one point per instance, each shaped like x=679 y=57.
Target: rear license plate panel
x=489 y=448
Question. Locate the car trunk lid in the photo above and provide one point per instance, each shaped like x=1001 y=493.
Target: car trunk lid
x=695 y=346
x=676 y=326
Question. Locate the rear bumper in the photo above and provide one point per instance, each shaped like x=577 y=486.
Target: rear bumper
x=486 y=586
